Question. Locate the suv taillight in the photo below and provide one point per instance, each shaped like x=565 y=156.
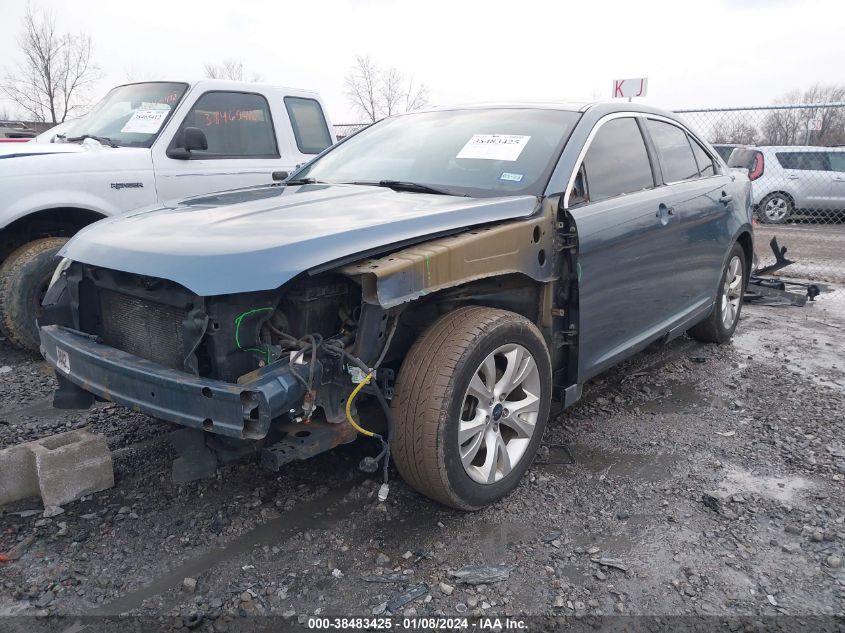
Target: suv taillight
x=757 y=168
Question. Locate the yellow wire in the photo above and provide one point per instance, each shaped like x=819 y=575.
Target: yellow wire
x=352 y=396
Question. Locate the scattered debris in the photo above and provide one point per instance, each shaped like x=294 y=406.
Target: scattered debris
x=481 y=574
x=18 y=550
x=611 y=562
x=385 y=578
x=52 y=511
x=399 y=601
x=726 y=433
x=189 y=585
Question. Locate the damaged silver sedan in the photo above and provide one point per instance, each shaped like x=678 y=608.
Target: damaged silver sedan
x=458 y=269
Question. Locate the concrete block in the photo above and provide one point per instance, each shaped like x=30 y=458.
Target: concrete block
x=17 y=474
x=61 y=468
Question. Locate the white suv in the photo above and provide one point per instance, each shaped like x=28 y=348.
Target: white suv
x=143 y=144
x=791 y=179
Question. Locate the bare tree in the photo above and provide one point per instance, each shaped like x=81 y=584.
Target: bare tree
x=232 y=69
x=375 y=92
x=810 y=125
x=735 y=132
x=363 y=88
x=57 y=70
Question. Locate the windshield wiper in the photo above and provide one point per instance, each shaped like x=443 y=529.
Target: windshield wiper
x=403 y=185
x=303 y=181
x=105 y=140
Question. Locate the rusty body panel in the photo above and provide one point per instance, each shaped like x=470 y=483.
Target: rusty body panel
x=521 y=247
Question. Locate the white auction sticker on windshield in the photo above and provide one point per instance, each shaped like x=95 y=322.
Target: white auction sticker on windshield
x=494 y=146
x=145 y=121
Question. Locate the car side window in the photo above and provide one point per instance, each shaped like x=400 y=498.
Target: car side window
x=807 y=161
x=704 y=160
x=616 y=162
x=673 y=148
x=837 y=161
x=309 y=124
x=236 y=124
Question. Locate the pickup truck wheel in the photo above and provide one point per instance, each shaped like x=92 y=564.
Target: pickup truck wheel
x=472 y=400
x=720 y=324
x=24 y=277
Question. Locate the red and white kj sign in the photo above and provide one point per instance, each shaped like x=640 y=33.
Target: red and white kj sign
x=630 y=87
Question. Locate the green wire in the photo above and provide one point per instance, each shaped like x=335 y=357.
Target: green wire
x=238 y=320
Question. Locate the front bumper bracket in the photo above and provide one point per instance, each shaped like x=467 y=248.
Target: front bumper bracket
x=242 y=411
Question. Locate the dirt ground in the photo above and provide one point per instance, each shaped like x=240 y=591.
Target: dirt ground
x=695 y=480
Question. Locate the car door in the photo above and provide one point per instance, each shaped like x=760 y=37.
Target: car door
x=628 y=246
x=836 y=160
x=242 y=146
x=808 y=177
x=703 y=199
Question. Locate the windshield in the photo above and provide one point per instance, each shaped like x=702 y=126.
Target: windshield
x=130 y=116
x=480 y=153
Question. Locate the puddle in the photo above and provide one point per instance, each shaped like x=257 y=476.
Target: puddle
x=643 y=466
x=679 y=397
x=739 y=481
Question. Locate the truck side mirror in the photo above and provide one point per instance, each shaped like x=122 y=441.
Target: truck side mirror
x=189 y=139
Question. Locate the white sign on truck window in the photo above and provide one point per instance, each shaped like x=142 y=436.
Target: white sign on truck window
x=145 y=121
x=637 y=87
x=494 y=146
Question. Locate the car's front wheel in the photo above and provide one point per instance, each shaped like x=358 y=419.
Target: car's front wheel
x=472 y=400
x=776 y=208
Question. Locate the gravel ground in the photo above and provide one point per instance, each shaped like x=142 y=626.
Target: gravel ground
x=692 y=480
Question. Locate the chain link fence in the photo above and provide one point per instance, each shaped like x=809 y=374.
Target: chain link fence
x=342 y=130
x=795 y=157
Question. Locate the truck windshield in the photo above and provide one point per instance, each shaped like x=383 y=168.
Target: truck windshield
x=473 y=152
x=131 y=115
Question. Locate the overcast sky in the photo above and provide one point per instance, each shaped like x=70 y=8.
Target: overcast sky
x=695 y=54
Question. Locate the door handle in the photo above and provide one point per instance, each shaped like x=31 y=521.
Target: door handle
x=725 y=199
x=663 y=212
x=792 y=177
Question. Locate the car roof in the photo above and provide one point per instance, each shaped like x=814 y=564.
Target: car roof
x=225 y=84
x=600 y=107
x=800 y=148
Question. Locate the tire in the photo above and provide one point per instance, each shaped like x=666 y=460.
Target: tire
x=720 y=324
x=24 y=277
x=433 y=399
x=775 y=208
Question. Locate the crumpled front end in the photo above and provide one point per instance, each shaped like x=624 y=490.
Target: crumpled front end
x=213 y=364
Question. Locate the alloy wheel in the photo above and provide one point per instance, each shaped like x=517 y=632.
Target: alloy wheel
x=732 y=292
x=776 y=209
x=499 y=414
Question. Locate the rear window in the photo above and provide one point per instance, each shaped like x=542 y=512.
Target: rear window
x=742 y=158
x=808 y=161
x=674 y=150
x=309 y=124
x=705 y=162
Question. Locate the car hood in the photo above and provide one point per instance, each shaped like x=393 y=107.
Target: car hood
x=18 y=150
x=260 y=238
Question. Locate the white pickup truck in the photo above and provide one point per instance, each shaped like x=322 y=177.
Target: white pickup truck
x=143 y=144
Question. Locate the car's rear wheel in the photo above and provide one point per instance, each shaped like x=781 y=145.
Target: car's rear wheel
x=776 y=208
x=719 y=326
x=472 y=400
x=24 y=277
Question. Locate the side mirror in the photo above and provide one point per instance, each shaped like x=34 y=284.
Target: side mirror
x=280 y=175
x=188 y=140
